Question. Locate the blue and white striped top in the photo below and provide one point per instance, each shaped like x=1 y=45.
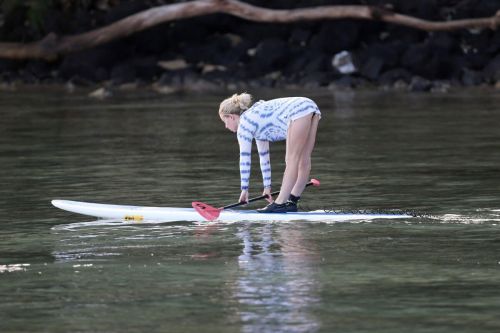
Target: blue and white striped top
x=267 y=121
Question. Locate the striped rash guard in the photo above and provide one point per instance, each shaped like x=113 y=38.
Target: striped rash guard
x=268 y=121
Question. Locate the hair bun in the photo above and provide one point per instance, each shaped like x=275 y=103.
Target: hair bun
x=235 y=104
x=243 y=100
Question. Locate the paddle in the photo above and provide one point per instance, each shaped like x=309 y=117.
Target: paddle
x=211 y=213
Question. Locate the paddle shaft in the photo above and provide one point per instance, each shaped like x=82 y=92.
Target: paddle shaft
x=256 y=199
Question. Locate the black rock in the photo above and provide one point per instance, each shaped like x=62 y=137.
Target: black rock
x=85 y=64
x=178 y=78
x=476 y=8
x=123 y=73
x=151 y=41
x=147 y=68
x=7 y=65
x=196 y=84
x=271 y=54
x=419 y=84
x=471 y=77
x=372 y=68
x=443 y=41
x=397 y=74
x=7 y=77
x=39 y=69
x=335 y=36
x=182 y=32
x=298 y=61
x=55 y=22
x=423 y=9
x=84 y=20
x=217 y=50
x=316 y=78
x=299 y=36
x=494 y=43
x=378 y=57
x=27 y=77
x=455 y=64
x=318 y=63
x=79 y=81
x=479 y=41
x=404 y=35
x=424 y=60
x=257 y=32
x=72 y=68
x=415 y=57
x=440 y=66
x=476 y=60
x=441 y=86
x=492 y=71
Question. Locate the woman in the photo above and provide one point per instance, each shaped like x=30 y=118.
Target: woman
x=294 y=119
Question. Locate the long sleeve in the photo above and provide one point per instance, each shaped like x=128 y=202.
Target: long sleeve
x=265 y=161
x=245 y=160
x=246 y=133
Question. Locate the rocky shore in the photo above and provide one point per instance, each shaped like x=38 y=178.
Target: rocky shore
x=216 y=52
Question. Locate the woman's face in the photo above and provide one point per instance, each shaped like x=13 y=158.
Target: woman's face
x=231 y=121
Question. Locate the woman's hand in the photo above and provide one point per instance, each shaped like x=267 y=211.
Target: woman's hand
x=244 y=196
x=267 y=191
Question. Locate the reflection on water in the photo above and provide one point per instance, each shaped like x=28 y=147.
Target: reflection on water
x=275 y=290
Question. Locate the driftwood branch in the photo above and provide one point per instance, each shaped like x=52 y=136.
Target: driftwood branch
x=53 y=46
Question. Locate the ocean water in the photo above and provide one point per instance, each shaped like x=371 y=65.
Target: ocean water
x=434 y=154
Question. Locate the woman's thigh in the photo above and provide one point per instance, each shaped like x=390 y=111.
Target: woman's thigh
x=311 y=139
x=298 y=137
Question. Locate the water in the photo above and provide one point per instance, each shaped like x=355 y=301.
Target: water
x=436 y=154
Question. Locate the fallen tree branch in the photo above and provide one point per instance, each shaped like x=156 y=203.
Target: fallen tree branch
x=52 y=46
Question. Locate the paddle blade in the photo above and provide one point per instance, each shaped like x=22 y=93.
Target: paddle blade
x=315 y=182
x=207 y=211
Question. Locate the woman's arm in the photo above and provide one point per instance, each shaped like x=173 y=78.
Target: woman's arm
x=245 y=160
x=265 y=162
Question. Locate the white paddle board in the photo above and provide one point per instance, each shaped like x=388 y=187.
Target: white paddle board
x=173 y=214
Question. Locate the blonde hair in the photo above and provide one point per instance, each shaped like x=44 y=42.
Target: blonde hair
x=235 y=104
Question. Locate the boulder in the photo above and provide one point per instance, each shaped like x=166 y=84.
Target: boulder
x=419 y=84
x=335 y=36
x=85 y=64
x=299 y=36
x=7 y=65
x=301 y=61
x=39 y=69
x=416 y=57
x=390 y=77
x=492 y=71
x=471 y=77
x=101 y=93
x=270 y=54
x=123 y=73
x=372 y=68
x=343 y=63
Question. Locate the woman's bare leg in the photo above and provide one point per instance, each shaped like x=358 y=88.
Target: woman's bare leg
x=305 y=161
x=297 y=137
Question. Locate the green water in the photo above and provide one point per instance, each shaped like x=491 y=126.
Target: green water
x=435 y=154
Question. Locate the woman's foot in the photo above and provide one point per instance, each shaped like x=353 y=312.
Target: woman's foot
x=291 y=206
x=274 y=207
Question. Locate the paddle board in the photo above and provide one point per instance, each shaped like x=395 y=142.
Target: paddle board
x=173 y=214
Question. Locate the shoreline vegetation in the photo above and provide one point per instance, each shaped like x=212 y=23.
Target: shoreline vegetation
x=213 y=45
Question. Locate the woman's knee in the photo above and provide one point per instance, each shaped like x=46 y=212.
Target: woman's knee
x=305 y=164
x=293 y=159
